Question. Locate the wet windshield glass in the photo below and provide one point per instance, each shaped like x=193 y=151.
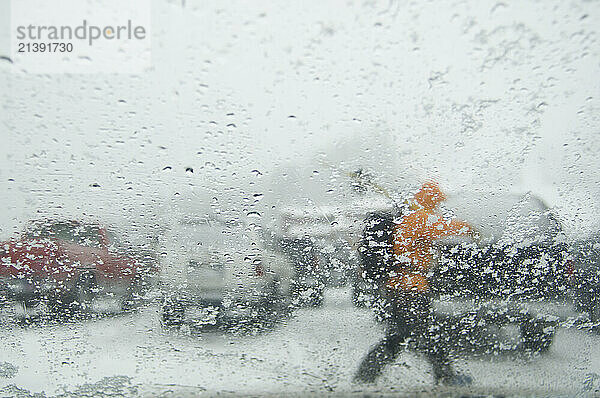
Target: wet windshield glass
x=355 y=198
x=68 y=232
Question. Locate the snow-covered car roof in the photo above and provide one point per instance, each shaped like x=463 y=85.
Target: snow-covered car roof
x=330 y=220
x=506 y=217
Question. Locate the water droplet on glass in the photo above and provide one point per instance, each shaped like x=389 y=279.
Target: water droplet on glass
x=189 y=170
x=253 y=214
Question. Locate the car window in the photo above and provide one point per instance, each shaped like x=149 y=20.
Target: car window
x=74 y=233
x=79 y=234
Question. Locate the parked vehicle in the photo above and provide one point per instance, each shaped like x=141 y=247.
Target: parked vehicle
x=517 y=276
x=585 y=276
x=67 y=265
x=505 y=285
x=216 y=272
x=308 y=283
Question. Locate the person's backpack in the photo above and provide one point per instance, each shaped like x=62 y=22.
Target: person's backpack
x=376 y=246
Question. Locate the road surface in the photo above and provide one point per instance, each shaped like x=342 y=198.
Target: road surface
x=313 y=351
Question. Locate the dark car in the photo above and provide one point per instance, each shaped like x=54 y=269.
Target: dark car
x=505 y=285
x=512 y=278
x=585 y=276
x=531 y=273
x=66 y=265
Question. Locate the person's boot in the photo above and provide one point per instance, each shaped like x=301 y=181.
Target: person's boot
x=372 y=365
x=457 y=380
x=370 y=368
x=365 y=376
x=443 y=373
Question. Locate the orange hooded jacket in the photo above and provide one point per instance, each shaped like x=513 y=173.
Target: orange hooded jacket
x=414 y=236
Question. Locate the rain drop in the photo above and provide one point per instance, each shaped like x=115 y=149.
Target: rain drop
x=253 y=214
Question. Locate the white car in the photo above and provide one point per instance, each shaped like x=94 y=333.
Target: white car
x=213 y=271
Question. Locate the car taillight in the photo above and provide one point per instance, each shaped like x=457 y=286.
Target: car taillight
x=315 y=262
x=257 y=266
x=259 y=270
x=569 y=270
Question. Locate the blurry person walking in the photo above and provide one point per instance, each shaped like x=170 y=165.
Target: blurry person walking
x=406 y=289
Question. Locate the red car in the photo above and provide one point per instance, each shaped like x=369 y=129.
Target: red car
x=67 y=264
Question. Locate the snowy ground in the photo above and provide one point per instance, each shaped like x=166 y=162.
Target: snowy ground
x=316 y=350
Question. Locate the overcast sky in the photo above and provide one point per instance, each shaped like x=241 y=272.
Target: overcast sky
x=479 y=95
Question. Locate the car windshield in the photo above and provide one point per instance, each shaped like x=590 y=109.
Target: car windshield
x=83 y=235
x=300 y=198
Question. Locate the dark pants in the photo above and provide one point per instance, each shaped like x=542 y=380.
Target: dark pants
x=410 y=317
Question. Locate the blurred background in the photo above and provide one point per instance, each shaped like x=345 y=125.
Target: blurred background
x=276 y=99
